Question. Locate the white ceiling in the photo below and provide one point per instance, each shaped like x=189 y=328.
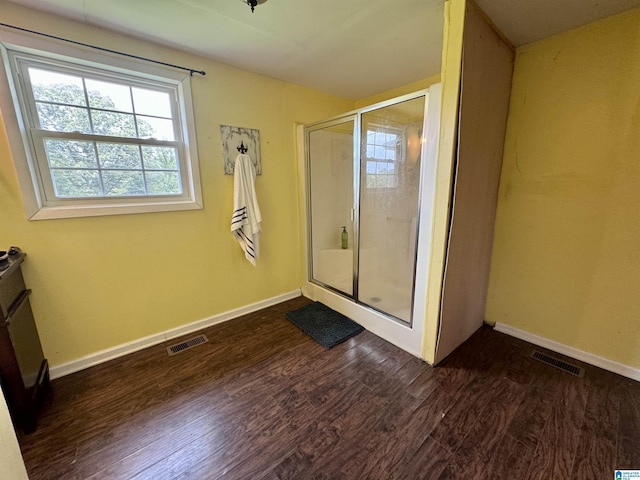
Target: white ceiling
x=525 y=21
x=351 y=48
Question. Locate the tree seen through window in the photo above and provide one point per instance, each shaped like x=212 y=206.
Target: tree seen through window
x=105 y=167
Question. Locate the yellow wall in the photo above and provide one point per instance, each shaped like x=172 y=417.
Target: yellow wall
x=566 y=257
x=103 y=281
x=398 y=91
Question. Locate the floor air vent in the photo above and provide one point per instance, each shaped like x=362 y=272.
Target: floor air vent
x=559 y=364
x=186 y=345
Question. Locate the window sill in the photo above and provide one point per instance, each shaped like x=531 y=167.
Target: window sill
x=50 y=213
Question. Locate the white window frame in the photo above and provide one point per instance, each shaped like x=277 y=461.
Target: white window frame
x=27 y=150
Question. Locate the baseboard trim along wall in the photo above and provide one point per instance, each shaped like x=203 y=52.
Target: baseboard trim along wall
x=102 y=356
x=590 y=358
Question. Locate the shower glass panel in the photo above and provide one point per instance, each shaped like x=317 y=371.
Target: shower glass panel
x=390 y=148
x=331 y=186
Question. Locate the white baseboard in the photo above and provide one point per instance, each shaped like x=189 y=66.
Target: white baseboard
x=102 y=356
x=590 y=358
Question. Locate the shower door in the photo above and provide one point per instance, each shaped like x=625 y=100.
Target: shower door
x=390 y=148
x=373 y=172
x=331 y=188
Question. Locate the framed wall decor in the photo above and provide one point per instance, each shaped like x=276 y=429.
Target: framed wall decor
x=234 y=138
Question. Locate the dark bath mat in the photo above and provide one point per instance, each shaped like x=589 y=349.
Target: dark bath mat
x=325 y=326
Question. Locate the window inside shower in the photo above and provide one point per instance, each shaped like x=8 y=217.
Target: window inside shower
x=383 y=149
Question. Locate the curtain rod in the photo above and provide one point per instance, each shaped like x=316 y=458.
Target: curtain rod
x=190 y=70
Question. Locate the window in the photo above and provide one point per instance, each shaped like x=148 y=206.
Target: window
x=382 y=156
x=101 y=139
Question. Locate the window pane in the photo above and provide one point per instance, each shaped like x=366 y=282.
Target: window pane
x=161 y=158
x=370 y=151
x=151 y=102
x=113 y=124
x=371 y=181
x=381 y=181
x=390 y=154
x=56 y=87
x=76 y=183
x=379 y=153
x=163 y=183
x=379 y=138
x=70 y=154
x=371 y=167
x=390 y=139
x=123 y=182
x=116 y=155
x=391 y=167
x=61 y=118
x=110 y=96
x=149 y=127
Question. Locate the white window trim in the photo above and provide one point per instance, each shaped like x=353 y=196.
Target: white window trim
x=21 y=151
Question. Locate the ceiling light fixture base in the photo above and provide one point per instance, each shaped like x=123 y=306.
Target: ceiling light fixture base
x=253 y=3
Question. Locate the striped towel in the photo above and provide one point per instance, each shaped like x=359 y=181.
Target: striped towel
x=246 y=218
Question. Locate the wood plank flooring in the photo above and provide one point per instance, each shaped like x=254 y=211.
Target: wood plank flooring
x=262 y=400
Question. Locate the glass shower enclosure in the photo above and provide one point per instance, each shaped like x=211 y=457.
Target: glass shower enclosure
x=363 y=186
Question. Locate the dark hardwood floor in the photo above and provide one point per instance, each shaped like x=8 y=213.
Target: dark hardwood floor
x=262 y=400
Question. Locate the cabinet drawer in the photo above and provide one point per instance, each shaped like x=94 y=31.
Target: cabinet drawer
x=24 y=339
x=10 y=289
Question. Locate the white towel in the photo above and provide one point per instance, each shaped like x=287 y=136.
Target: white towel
x=245 y=222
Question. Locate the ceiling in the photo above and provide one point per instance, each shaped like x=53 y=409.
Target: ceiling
x=350 y=48
x=525 y=21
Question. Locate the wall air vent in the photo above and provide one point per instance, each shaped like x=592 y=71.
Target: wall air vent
x=557 y=363
x=186 y=345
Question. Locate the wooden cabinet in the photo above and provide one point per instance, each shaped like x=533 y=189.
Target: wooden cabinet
x=24 y=372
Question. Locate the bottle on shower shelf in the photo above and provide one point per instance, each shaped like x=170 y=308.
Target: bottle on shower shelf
x=345 y=238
